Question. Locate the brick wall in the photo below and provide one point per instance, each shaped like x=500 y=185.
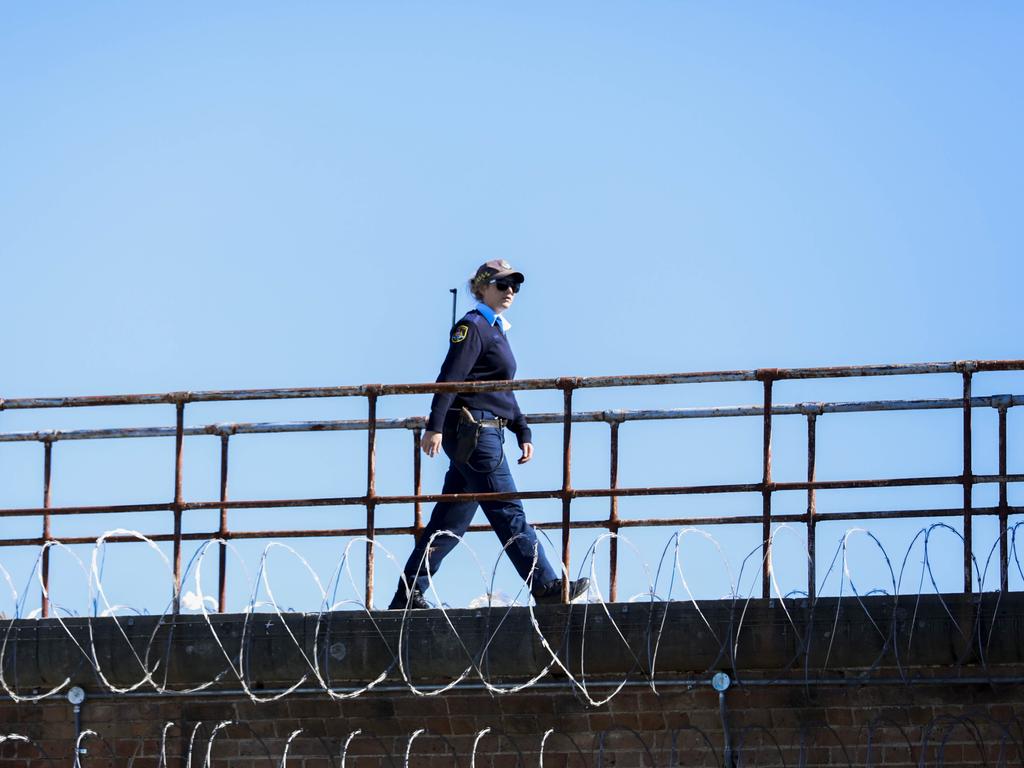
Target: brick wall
x=791 y=707
x=951 y=724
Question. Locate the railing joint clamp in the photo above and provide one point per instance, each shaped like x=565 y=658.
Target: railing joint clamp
x=811 y=409
x=1002 y=402
x=966 y=366
x=48 y=438
x=766 y=374
x=372 y=390
x=567 y=382
x=179 y=398
x=613 y=417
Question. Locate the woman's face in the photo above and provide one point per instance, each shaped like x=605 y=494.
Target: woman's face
x=498 y=296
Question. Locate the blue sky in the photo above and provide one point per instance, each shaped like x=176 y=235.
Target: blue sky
x=256 y=195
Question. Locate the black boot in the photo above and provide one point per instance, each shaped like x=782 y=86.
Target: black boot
x=551 y=594
x=415 y=599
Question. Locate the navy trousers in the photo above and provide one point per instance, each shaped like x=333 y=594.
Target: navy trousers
x=486 y=471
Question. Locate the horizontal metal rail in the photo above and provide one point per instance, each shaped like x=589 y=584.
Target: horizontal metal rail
x=573 y=493
x=583 y=382
x=578 y=417
x=766 y=487
x=650 y=522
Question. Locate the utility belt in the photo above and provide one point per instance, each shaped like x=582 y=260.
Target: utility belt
x=467 y=433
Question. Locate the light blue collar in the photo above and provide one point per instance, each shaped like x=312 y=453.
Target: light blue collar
x=489 y=315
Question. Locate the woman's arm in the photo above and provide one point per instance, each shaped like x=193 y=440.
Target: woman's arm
x=464 y=346
x=522 y=432
x=518 y=424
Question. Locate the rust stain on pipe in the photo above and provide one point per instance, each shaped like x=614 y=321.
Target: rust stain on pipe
x=495 y=386
x=613 y=515
x=767 y=376
x=222 y=565
x=685 y=490
x=45 y=566
x=1004 y=580
x=566 y=483
x=179 y=445
x=371 y=490
x=812 y=439
x=968 y=483
x=417 y=482
x=657 y=522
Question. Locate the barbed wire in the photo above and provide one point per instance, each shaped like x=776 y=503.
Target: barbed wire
x=668 y=583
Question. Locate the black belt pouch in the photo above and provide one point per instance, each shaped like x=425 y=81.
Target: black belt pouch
x=467 y=434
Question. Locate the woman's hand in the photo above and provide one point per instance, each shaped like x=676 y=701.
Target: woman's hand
x=527 y=452
x=431 y=443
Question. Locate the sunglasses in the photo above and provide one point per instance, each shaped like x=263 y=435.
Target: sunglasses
x=504 y=285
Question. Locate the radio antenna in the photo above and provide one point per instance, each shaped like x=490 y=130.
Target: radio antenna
x=455 y=294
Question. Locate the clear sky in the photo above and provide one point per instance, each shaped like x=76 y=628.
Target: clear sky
x=243 y=195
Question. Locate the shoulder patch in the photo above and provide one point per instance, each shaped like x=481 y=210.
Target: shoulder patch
x=460 y=333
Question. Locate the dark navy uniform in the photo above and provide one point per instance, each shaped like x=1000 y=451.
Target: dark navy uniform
x=479 y=351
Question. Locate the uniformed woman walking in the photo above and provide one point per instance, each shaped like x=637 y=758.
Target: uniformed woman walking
x=469 y=428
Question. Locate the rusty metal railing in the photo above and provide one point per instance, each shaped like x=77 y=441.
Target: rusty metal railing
x=766 y=487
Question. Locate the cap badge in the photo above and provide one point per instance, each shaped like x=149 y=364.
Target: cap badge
x=505 y=264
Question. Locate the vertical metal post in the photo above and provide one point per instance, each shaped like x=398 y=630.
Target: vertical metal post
x=968 y=483
x=371 y=491
x=222 y=572
x=812 y=420
x=47 y=535
x=179 y=444
x=1004 y=580
x=417 y=482
x=727 y=746
x=613 y=517
x=566 y=482
x=766 y=376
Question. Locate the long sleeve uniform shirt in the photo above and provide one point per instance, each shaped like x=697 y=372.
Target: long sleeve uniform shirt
x=479 y=351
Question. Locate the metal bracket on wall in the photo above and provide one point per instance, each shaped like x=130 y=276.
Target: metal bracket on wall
x=76 y=696
x=721 y=682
